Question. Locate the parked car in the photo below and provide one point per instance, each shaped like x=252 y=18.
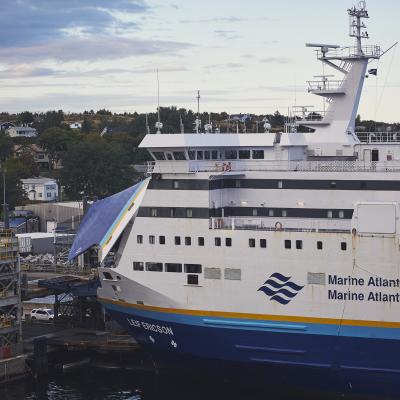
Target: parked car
x=44 y=314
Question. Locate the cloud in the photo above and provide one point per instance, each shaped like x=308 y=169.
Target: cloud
x=212 y=20
x=275 y=60
x=224 y=66
x=94 y=48
x=227 y=34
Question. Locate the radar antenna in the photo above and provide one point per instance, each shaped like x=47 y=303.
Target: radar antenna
x=197 y=121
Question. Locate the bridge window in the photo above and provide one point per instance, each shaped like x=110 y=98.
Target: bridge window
x=161 y=239
x=288 y=244
x=258 y=154
x=172 y=212
x=343 y=246
x=252 y=242
x=154 y=267
x=375 y=155
x=179 y=155
x=341 y=214
x=152 y=239
x=176 y=184
x=271 y=213
x=159 y=155
x=330 y=214
x=177 y=240
x=299 y=244
x=228 y=242
x=207 y=155
x=200 y=241
x=217 y=241
x=154 y=212
x=188 y=241
x=244 y=154
x=284 y=213
x=230 y=154
x=263 y=243
x=214 y=155
x=173 y=267
x=189 y=212
x=319 y=245
x=237 y=183
x=139 y=239
x=255 y=212
x=200 y=155
x=192 y=155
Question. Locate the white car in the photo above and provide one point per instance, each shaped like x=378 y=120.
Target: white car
x=44 y=314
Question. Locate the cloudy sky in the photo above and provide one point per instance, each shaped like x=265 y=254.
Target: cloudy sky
x=244 y=56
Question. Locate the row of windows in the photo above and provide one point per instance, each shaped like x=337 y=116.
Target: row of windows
x=209 y=155
x=228 y=242
x=169 y=267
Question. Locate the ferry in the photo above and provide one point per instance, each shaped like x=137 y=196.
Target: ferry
x=271 y=252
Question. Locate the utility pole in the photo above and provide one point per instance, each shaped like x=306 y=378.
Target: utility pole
x=5 y=205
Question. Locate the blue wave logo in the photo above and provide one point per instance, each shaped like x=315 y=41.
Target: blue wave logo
x=280 y=288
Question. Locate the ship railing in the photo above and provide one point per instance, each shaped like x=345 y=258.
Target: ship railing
x=349 y=52
x=379 y=137
x=277 y=224
x=321 y=85
x=229 y=167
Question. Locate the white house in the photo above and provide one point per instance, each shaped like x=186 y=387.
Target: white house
x=22 y=131
x=75 y=125
x=40 y=189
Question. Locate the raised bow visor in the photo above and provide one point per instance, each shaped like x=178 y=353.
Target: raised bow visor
x=106 y=220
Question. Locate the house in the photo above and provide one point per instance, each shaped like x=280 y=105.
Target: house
x=75 y=125
x=38 y=153
x=5 y=125
x=40 y=189
x=22 y=131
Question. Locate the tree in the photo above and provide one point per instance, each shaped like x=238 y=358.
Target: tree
x=25 y=118
x=6 y=146
x=15 y=171
x=96 y=168
x=56 y=141
x=86 y=126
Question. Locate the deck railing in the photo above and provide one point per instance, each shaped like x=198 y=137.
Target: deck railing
x=379 y=137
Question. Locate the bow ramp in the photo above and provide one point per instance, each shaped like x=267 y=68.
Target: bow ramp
x=106 y=220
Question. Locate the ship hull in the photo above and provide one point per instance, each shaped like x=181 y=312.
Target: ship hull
x=275 y=355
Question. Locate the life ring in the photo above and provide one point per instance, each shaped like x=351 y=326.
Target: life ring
x=228 y=166
x=278 y=225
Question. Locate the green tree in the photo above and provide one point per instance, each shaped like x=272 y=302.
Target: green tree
x=55 y=141
x=6 y=146
x=95 y=167
x=25 y=117
x=15 y=171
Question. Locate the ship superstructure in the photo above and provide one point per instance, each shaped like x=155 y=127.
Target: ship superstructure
x=271 y=250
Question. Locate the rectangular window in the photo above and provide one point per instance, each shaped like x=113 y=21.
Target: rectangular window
x=244 y=154
x=255 y=212
x=288 y=244
x=330 y=214
x=228 y=242
x=159 y=155
x=193 y=268
x=217 y=241
x=48 y=194
x=233 y=274
x=138 y=266
x=179 y=155
x=230 y=154
x=207 y=155
x=139 y=239
x=258 y=154
x=237 y=183
x=214 y=155
x=263 y=243
x=280 y=184
x=343 y=246
x=341 y=214
x=192 y=279
x=161 y=239
x=252 y=242
x=200 y=241
x=271 y=213
x=154 y=267
x=299 y=244
x=176 y=185
x=284 y=213
x=212 y=273
x=192 y=155
x=188 y=241
x=177 y=240
x=154 y=212
x=200 y=155
x=172 y=267
x=152 y=239
x=319 y=245
x=172 y=212
x=189 y=213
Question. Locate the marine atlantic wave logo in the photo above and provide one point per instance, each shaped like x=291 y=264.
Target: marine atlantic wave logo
x=280 y=288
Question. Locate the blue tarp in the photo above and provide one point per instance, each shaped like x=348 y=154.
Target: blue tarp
x=100 y=219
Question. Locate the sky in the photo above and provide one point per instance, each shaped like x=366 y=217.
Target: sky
x=243 y=56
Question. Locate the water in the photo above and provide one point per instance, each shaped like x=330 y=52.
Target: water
x=87 y=384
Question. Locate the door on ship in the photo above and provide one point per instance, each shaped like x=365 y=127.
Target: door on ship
x=367 y=155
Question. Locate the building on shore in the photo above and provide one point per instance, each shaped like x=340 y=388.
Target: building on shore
x=40 y=189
